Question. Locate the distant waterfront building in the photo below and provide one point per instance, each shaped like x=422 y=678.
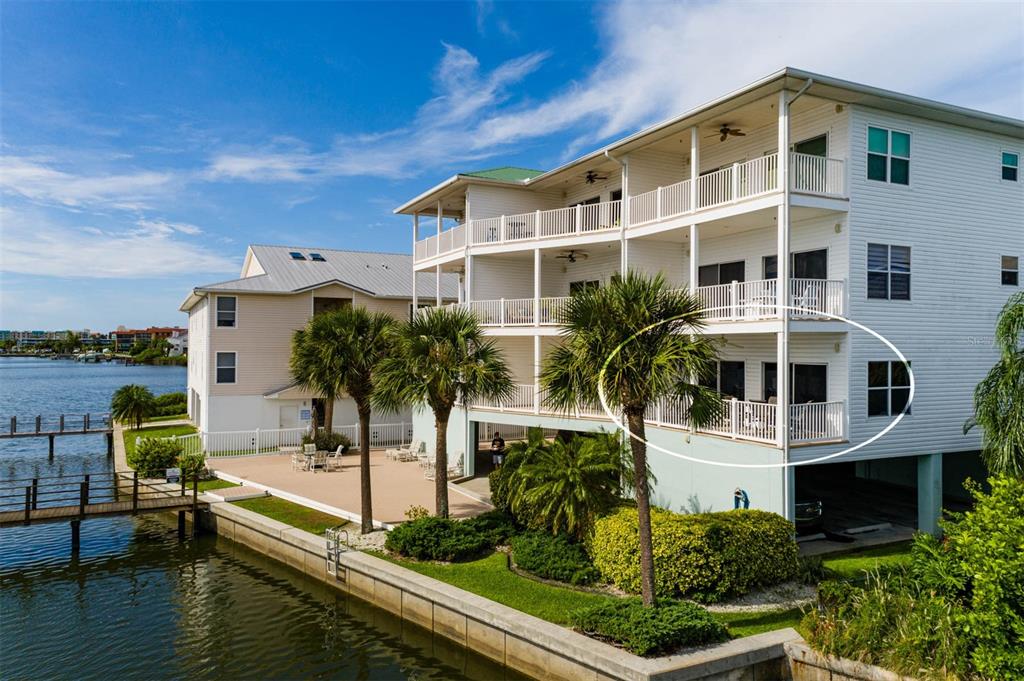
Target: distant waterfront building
x=240 y=331
x=124 y=339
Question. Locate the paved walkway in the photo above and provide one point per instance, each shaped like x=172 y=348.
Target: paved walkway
x=396 y=485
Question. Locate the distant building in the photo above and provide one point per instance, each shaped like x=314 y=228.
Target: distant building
x=124 y=338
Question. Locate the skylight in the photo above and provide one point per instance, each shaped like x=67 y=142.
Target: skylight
x=297 y=256
x=317 y=257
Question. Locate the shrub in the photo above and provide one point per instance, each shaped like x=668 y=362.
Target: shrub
x=327 y=440
x=437 y=539
x=192 y=465
x=649 y=630
x=154 y=455
x=707 y=557
x=957 y=610
x=416 y=512
x=811 y=570
x=170 y=404
x=553 y=557
x=497 y=527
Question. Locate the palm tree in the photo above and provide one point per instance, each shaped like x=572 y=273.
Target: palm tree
x=132 y=404
x=999 y=398
x=441 y=358
x=315 y=364
x=640 y=340
x=360 y=340
x=567 y=484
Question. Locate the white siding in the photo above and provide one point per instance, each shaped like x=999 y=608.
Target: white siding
x=499 y=276
x=667 y=257
x=601 y=263
x=198 y=356
x=651 y=168
x=958 y=217
x=488 y=202
x=804 y=348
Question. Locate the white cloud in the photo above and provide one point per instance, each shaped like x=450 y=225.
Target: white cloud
x=35 y=178
x=33 y=244
x=662 y=59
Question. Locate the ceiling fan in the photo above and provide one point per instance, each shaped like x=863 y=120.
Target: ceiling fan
x=571 y=255
x=725 y=131
x=592 y=176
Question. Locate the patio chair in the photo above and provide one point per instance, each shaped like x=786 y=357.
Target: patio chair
x=428 y=472
x=398 y=453
x=334 y=458
x=309 y=449
x=319 y=461
x=298 y=460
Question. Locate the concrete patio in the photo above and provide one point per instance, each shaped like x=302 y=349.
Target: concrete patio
x=396 y=485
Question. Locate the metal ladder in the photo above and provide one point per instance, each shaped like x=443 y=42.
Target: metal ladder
x=337 y=541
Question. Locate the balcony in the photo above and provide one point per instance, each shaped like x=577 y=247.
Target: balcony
x=735 y=302
x=739 y=419
x=739 y=182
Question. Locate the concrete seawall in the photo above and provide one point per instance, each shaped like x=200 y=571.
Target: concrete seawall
x=511 y=638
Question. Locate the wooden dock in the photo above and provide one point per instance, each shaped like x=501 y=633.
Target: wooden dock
x=62 y=424
x=77 y=497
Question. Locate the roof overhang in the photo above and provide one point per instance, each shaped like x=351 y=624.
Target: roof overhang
x=426 y=203
x=292 y=391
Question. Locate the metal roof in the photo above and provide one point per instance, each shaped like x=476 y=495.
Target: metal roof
x=381 y=275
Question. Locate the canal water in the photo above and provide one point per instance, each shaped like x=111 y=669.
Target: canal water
x=135 y=603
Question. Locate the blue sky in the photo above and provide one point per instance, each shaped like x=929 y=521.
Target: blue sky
x=145 y=145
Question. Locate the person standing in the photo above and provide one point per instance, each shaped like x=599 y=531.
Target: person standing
x=740 y=499
x=497 y=450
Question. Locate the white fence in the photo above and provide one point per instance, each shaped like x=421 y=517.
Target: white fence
x=253 y=442
x=758 y=299
x=817 y=175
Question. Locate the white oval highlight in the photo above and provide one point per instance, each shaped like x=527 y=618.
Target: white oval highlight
x=616 y=420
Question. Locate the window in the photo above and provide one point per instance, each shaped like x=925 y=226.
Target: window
x=720 y=273
x=888 y=272
x=580 y=286
x=227 y=311
x=888 y=388
x=317 y=257
x=226 y=363
x=805 y=265
x=1011 y=162
x=888 y=156
x=296 y=255
x=807 y=382
x=729 y=380
x=1011 y=270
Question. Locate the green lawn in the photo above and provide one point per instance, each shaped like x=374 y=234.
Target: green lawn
x=172 y=417
x=166 y=431
x=853 y=565
x=207 y=485
x=292 y=514
x=490 y=577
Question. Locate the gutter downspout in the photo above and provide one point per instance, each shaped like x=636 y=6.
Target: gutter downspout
x=623 y=211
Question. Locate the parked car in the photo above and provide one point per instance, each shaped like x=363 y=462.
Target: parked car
x=808 y=518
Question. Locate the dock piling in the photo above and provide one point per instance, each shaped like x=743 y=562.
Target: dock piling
x=35 y=493
x=51 y=438
x=110 y=444
x=181 y=525
x=76 y=535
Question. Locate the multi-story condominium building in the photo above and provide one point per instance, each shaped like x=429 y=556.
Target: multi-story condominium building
x=240 y=331
x=124 y=339
x=901 y=214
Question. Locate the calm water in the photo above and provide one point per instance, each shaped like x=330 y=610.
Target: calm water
x=136 y=603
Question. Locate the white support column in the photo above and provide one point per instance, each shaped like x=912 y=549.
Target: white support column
x=694 y=257
x=437 y=279
x=440 y=219
x=469 y=280
x=694 y=165
x=536 y=373
x=536 y=287
x=782 y=345
x=415 y=238
x=624 y=216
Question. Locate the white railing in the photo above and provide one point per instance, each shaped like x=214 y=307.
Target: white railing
x=560 y=222
x=817 y=421
x=756 y=177
x=675 y=199
x=551 y=310
x=504 y=311
x=758 y=299
x=487 y=230
x=715 y=188
x=817 y=175
x=815 y=296
x=269 y=441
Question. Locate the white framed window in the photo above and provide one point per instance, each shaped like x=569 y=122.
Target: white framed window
x=888 y=272
x=1011 y=166
x=888 y=155
x=1010 y=274
x=888 y=388
x=227 y=312
x=227 y=367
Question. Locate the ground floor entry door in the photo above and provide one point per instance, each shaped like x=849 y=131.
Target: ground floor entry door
x=288 y=417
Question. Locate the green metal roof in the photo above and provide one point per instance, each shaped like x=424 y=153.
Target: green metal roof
x=505 y=174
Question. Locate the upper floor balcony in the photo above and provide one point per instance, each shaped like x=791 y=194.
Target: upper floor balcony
x=733 y=185
x=750 y=420
x=734 y=302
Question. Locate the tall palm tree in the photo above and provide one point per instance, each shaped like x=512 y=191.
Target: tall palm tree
x=359 y=341
x=640 y=340
x=999 y=398
x=132 y=404
x=567 y=484
x=315 y=364
x=440 y=358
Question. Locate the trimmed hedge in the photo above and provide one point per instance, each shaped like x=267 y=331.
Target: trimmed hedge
x=497 y=527
x=437 y=539
x=553 y=557
x=327 y=441
x=704 y=556
x=170 y=404
x=662 y=629
x=154 y=455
